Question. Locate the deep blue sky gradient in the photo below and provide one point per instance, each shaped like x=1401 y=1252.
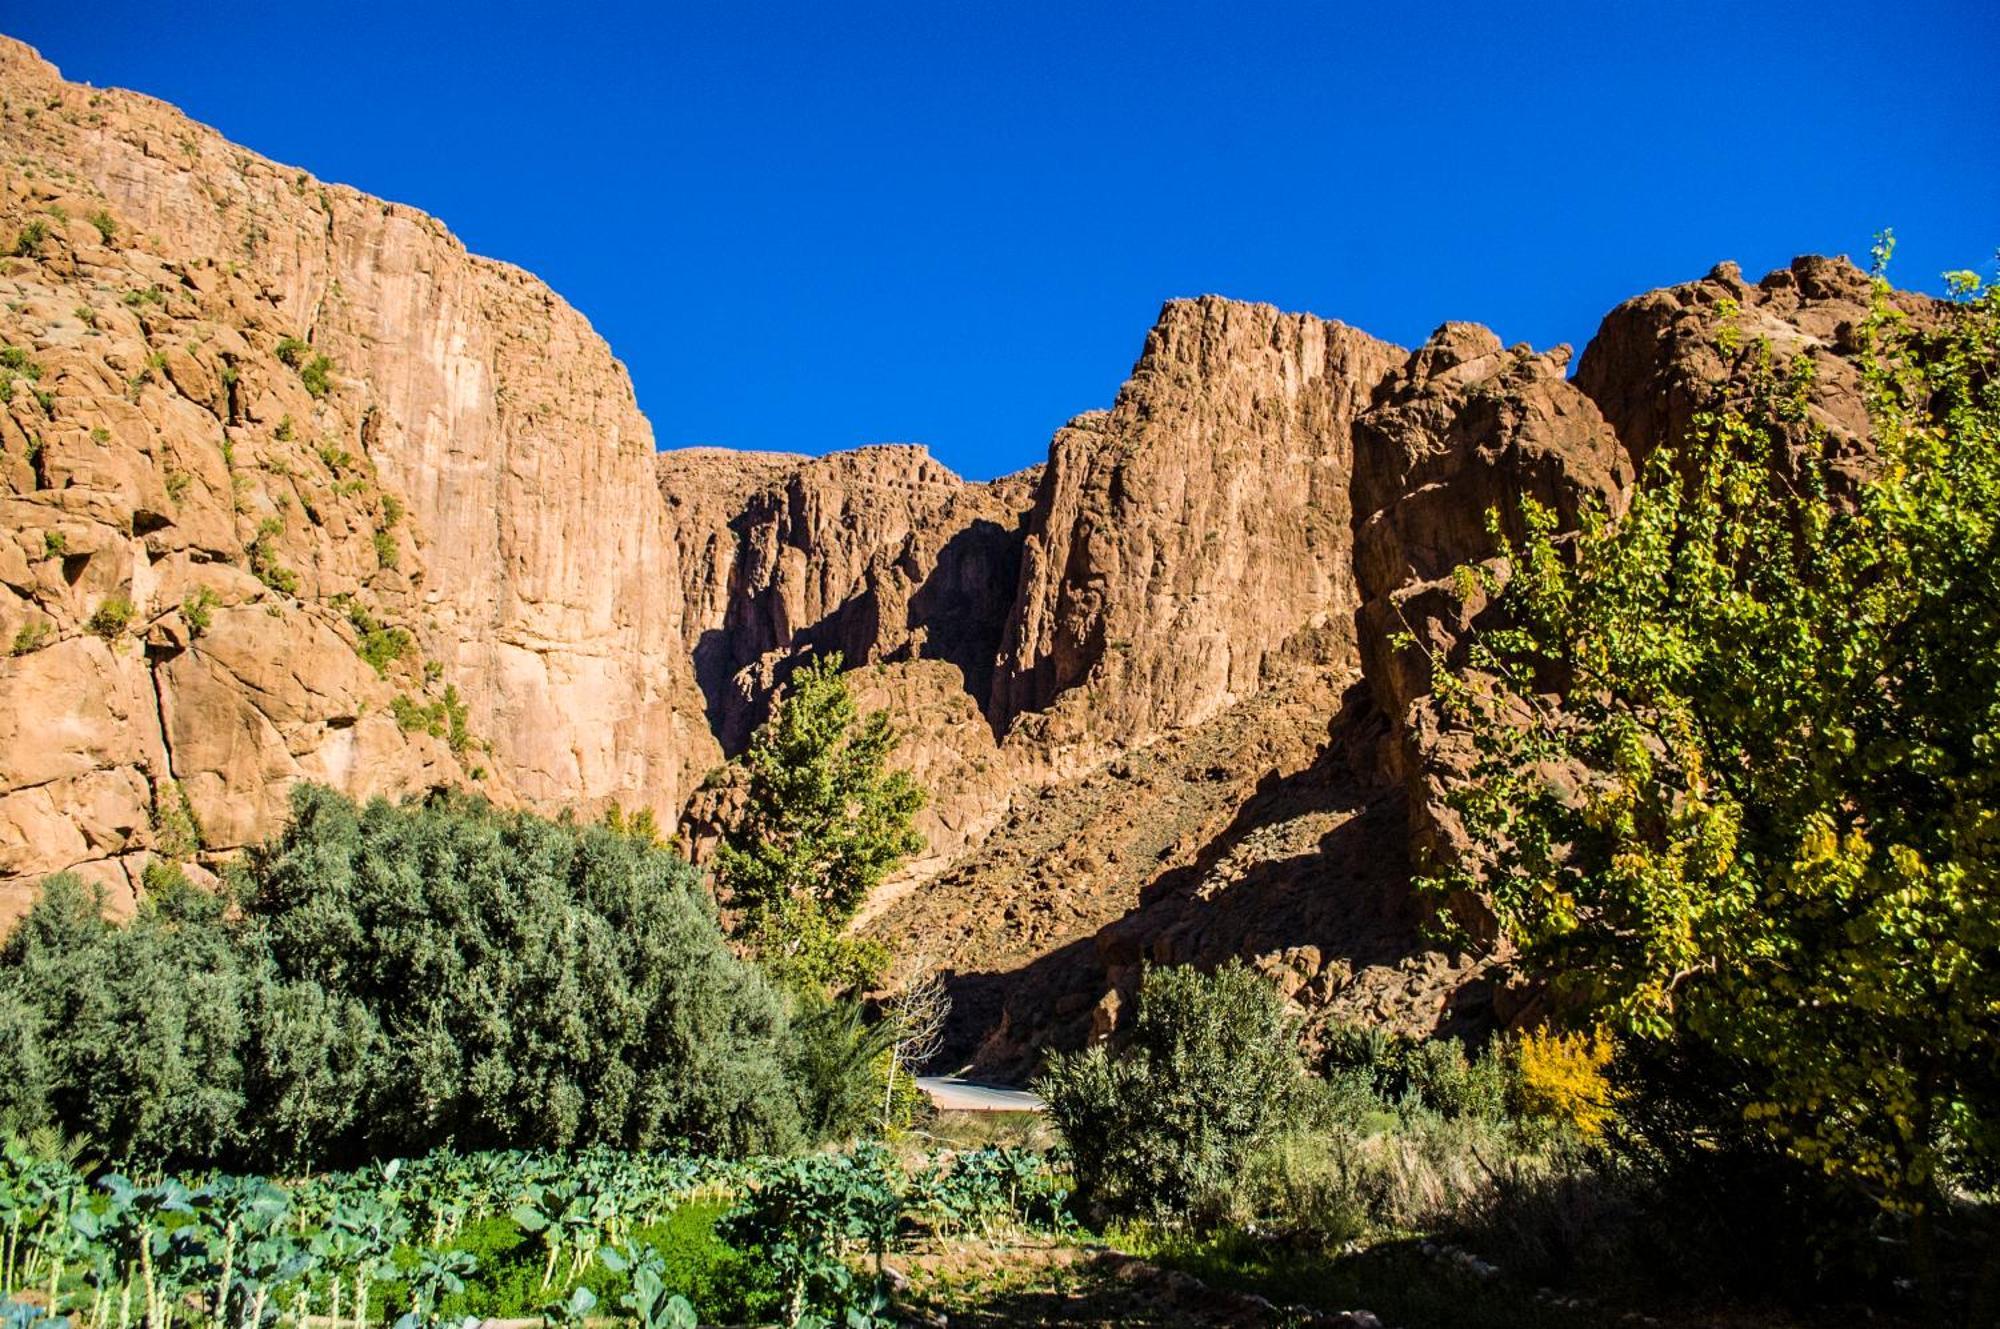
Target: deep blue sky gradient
x=812 y=226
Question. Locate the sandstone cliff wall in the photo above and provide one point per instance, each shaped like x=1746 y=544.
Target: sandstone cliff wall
x=466 y=398
x=296 y=488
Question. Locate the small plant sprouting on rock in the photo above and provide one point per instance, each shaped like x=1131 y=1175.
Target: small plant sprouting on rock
x=112 y=617
x=177 y=483
x=376 y=642
x=31 y=637
x=392 y=511
x=385 y=548
x=176 y=833
x=54 y=544
x=30 y=239
x=335 y=458
x=161 y=877
x=315 y=371
x=106 y=224
x=198 y=610
x=283 y=433
x=152 y=295
x=317 y=375
x=444 y=718
x=264 y=560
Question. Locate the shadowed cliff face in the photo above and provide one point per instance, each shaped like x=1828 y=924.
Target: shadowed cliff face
x=296 y=488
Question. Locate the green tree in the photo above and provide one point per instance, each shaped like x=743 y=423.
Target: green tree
x=824 y=821
x=542 y=983
x=385 y=979
x=1762 y=815
x=1212 y=1070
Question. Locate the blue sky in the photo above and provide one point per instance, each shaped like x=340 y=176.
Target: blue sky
x=815 y=226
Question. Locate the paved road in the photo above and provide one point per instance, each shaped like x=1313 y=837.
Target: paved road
x=956 y=1095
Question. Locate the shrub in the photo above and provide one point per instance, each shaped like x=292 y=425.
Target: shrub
x=389 y=978
x=378 y=643
x=291 y=351
x=1212 y=1071
x=1452 y=1084
x=32 y=636
x=833 y=1059
x=264 y=558
x=1561 y=1078
x=30 y=238
x=176 y=833
x=1304 y=1183
x=385 y=548
x=1435 y=1074
x=197 y=610
x=112 y=617
x=107 y=226
x=54 y=544
x=445 y=718
x=317 y=375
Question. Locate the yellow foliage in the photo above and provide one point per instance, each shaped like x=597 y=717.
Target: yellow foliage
x=1560 y=1077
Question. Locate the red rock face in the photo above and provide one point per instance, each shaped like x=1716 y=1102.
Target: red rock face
x=1150 y=684
x=1184 y=539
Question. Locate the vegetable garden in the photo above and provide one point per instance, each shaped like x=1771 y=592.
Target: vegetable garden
x=660 y=1240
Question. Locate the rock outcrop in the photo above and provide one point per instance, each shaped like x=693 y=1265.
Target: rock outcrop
x=1184 y=539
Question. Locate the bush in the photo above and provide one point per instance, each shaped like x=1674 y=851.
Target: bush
x=380 y=644
x=198 y=610
x=1212 y=1071
x=386 y=979
x=32 y=636
x=1561 y=1078
x=834 y=1060
x=317 y=375
x=112 y=617
x=1435 y=1074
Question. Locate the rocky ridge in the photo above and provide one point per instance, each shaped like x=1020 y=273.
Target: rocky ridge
x=298 y=488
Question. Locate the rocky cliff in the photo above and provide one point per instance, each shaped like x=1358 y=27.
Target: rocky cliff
x=296 y=488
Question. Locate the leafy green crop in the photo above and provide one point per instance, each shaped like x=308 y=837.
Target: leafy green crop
x=665 y=1239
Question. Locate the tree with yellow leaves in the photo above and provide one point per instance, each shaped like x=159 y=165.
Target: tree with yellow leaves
x=1763 y=814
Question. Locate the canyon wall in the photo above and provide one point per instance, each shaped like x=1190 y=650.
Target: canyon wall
x=297 y=488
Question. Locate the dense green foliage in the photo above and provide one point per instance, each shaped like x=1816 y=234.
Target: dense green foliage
x=1212 y=1070
x=662 y=1238
x=824 y=821
x=386 y=979
x=1763 y=816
